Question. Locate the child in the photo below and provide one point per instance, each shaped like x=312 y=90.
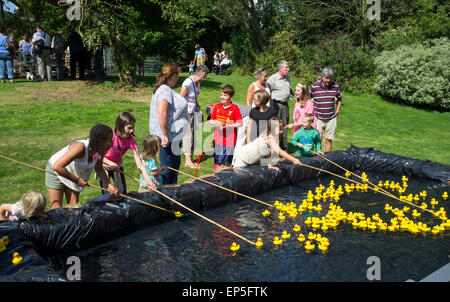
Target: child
x=259 y=115
x=122 y=141
x=150 y=150
x=74 y=165
x=303 y=105
x=263 y=146
x=32 y=204
x=307 y=137
x=191 y=68
x=226 y=118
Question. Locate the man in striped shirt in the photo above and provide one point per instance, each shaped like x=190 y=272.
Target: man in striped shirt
x=324 y=93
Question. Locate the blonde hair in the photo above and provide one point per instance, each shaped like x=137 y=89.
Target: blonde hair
x=308 y=117
x=304 y=97
x=150 y=147
x=33 y=203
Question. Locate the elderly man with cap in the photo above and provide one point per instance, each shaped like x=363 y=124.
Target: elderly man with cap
x=280 y=87
x=324 y=93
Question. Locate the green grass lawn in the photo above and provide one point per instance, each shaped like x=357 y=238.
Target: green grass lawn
x=38 y=119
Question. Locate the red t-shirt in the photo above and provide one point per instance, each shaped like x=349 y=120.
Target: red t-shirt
x=232 y=114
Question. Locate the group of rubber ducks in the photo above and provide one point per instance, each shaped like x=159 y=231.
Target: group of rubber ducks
x=4 y=241
x=335 y=215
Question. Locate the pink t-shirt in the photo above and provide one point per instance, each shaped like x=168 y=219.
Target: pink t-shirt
x=119 y=147
x=300 y=112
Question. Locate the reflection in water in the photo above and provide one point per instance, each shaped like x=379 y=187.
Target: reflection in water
x=190 y=249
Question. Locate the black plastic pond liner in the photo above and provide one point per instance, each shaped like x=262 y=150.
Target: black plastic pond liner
x=102 y=219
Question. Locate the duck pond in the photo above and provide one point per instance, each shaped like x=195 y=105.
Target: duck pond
x=189 y=249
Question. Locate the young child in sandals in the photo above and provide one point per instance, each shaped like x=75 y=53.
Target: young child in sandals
x=149 y=155
x=261 y=149
x=32 y=204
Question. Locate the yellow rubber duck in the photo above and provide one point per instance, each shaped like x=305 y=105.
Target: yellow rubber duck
x=435 y=230
x=301 y=238
x=266 y=213
x=433 y=202
x=285 y=235
x=234 y=247
x=415 y=214
x=296 y=228
x=445 y=195
x=309 y=246
x=311 y=236
x=281 y=217
x=178 y=214
x=277 y=241
x=259 y=243
x=16 y=258
x=322 y=247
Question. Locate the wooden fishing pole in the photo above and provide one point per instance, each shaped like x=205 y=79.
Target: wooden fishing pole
x=223 y=188
x=89 y=185
x=354 y=181
x=194 y=212
x=352 y=173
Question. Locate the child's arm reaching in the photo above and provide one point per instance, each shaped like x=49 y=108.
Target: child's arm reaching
x=105 y=179
x=276 y=148
x=295 y=140
x=143 y=170
x=76 y=150
x=111 y=165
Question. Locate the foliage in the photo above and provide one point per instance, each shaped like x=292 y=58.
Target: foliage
x=395 y=37
x=417 y=74
x=347 y=60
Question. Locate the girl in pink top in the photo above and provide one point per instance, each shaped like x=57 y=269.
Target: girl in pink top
x=303 y=106
x=122 y=141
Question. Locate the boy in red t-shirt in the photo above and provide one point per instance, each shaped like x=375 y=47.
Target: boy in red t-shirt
x=225 y=118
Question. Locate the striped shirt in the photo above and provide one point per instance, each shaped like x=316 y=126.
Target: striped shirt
x=323 y=98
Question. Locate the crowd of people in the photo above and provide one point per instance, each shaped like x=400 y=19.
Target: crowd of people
x=36 y=53
x=244 y=134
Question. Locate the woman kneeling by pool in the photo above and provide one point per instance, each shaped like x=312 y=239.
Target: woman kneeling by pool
x=261 y=148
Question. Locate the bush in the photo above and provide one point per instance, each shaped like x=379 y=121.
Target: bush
x=347 y=61
x=396 y=37
x=417 y=74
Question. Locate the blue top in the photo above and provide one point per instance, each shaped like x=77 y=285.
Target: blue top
x=2 y=43
x=25 y=46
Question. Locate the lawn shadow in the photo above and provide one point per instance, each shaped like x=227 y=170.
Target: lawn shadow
x=150 y=79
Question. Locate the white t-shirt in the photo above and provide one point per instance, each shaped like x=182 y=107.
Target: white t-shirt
x=17 y=211
x=253 y=152
x=192 y=94
x=41 y=35
x=79 y=167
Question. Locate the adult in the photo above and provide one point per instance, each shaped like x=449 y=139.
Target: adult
x=25 y=49
x=324 y=93
x=259 y=84
x=280 y=85
x=58 y=48
x=40 y=47
x=168 y=120
x=224 y=64
x=200 y=55
x=216 y=62
x=303 y=105
x=6 y=57
x=190 y=90
x=77 y=55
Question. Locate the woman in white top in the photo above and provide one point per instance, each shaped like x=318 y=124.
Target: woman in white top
x=190 y=90
x=261 y=149
x=259 y=84
x=74 y=165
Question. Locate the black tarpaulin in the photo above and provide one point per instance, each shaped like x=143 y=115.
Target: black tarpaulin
x=102 y=219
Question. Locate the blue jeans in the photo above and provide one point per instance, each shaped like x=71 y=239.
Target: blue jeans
x=169 y=159
x=6 y=62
